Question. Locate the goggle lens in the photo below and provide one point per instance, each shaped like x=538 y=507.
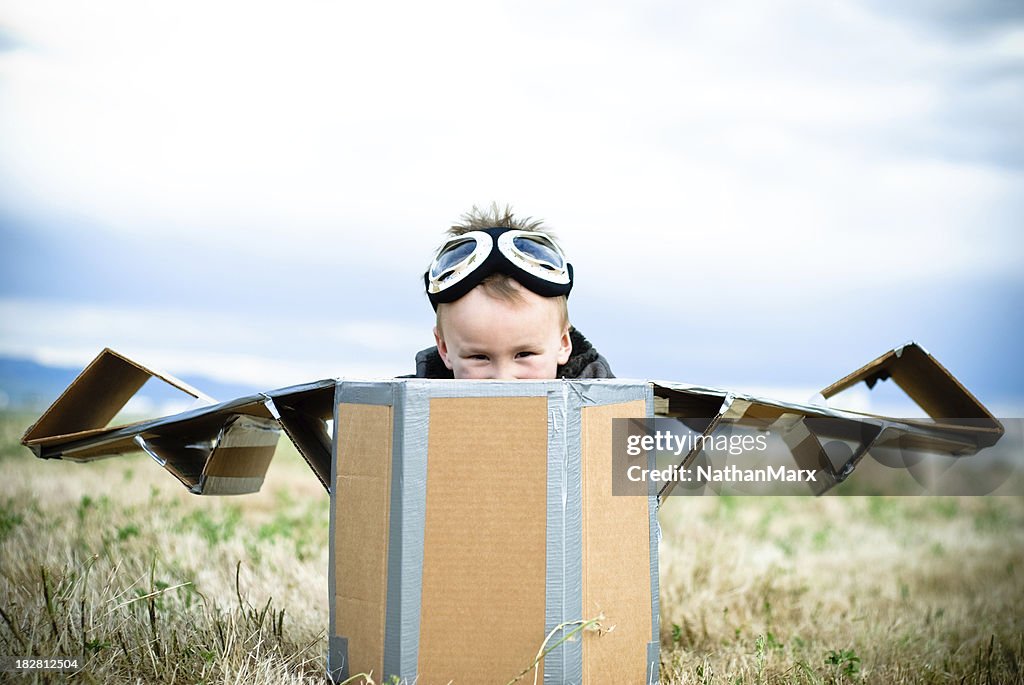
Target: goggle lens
x=540 y=251
x=453 y=255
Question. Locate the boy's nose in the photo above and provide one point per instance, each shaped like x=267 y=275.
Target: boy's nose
x=504 y=371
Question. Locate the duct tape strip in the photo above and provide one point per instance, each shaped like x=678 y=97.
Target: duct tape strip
x=337 y=659
x=227 y=485
x=250 y=431
x=603 y=391
x=610 y=392
x=144 y=446
x=488 y=388
x=653 y=662
x=365 y=392
x=407 y=526
x=737 y=408
x=337 y=647
x=564 y=571
x=654 y=647
x=271 y=407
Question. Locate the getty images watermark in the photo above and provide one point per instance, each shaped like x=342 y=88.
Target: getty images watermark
x=808 y=456
x=667 y=442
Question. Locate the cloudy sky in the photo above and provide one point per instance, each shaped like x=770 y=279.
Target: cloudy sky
x=758 y=195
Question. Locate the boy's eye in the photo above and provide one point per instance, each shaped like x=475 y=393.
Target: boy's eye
x=525 y=353
x=478 y=357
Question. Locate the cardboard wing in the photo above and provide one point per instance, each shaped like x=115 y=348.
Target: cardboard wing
x=959 y=424
x=214 y=449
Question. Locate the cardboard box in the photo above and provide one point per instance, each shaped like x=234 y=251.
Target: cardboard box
x=488 y=507
x=471 y=519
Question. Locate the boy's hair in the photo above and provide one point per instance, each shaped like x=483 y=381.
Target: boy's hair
x=498 y=285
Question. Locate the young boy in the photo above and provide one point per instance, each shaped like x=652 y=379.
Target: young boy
x=499 y=286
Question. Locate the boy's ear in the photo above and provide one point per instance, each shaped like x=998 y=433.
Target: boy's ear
x=442 y=348
x=564 y=347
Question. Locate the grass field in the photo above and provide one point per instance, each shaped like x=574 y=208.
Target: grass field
x=115 y=562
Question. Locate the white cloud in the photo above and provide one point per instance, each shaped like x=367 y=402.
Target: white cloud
x=685 y=150
x=273 y=351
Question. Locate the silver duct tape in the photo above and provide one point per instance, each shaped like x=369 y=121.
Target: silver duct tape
x=250 y=431
x=737 y=408
x=337 y=647
x=337 y=659
x=654 y=531
x=611 y=392
x=227 y=485
x=407 y=526
x=271 y=407
x=564 y=570
x=487 y=388
x=653 y=503
x=364 y=392
x=653 y=662
x=144 y=446
x=910 y=343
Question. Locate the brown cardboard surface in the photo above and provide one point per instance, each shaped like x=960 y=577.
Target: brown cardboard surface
x=924 y=380
x=102 y=442
x=362 y=509
x=183 y=461
x=239 y=462
x=123 y=445
x=616 y=559
x=483 y=597
x=674 y=403
x=303 y=417
x=244 y=451
x=96 y=395
x=962 y=437
x=311 y=438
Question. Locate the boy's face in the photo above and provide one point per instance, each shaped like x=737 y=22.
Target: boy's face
x=486 y=337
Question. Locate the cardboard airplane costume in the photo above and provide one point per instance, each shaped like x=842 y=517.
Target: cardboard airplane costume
x=455 y=502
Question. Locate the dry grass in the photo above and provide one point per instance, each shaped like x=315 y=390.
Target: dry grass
x=117 y=562
x=843 y=590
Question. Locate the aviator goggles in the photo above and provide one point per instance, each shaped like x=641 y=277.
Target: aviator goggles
x=531 y=258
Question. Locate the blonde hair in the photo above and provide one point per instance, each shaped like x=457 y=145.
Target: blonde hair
x=498 y=285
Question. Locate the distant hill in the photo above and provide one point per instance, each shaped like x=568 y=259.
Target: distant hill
x=29 y=385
